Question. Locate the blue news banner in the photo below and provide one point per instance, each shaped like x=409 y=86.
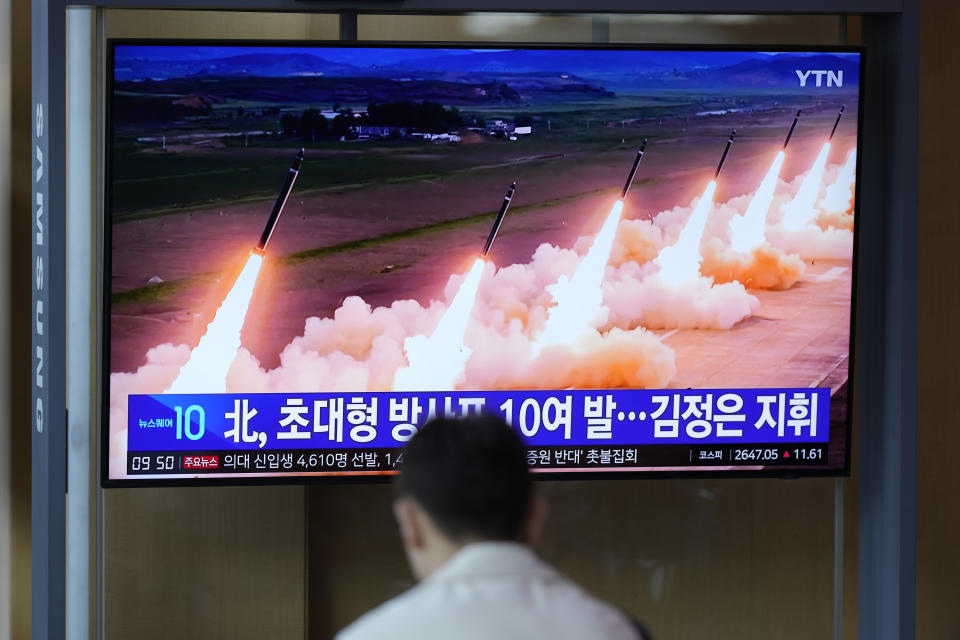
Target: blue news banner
x=353 y=433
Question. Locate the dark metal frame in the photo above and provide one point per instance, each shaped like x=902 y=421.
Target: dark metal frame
x=885 y=395
x=105 y=257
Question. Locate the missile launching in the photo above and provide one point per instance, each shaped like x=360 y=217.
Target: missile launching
x=633 y=170
x=281 y=201
x=499 y=220
x=836 y=122
x=792 y=127
x=726 y=150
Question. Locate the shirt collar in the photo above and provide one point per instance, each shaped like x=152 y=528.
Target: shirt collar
x=490 y=558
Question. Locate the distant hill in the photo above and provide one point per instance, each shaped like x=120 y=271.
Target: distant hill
x=250 y=65
x=587 y=63
x=780 y=71
x=197 y=93
x=603 y=71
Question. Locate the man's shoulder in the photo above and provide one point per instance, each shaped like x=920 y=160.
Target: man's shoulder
x=554 y=607
x=581 y=606
x=387 y=619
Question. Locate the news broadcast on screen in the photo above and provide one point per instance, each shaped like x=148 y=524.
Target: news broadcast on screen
x=641 y=258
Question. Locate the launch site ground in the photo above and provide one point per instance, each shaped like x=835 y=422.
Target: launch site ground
x=388 y=239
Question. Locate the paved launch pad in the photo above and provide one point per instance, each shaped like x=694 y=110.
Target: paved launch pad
x=799 y=337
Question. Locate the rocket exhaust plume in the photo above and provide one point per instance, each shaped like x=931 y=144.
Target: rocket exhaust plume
x=435 y=363
x=800 y=211
x=680 y=262
x=749 y=230
x=726 y=150
x=499 y=219
x=840 y=194
x=280 y=202
x=836 y=122
x=206 y=370
x=792 y=127
x=579 y=300
x=633 y=170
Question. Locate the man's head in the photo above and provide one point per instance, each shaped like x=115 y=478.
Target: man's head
x=463 y=481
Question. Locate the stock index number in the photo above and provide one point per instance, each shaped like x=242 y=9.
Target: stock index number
x=756 y=454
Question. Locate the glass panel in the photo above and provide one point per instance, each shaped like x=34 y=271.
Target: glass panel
x=651 y=28
x=698 y=559
x=214 y=562
x=478 y=27
x=138 y=23
x=725 y=29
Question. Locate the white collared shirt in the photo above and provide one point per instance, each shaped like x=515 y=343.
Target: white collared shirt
x=493 y=590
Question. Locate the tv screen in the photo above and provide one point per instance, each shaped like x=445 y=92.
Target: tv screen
x=642 y=259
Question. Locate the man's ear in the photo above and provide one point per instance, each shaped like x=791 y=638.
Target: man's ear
x=535 y=521
x=408 y=519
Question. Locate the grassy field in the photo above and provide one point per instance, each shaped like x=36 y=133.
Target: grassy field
x=164 y=290
x=147 y=181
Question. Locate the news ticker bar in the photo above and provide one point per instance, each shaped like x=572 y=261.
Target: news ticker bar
x=387 y=460
x=616 y=417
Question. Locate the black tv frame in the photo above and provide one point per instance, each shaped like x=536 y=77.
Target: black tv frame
x=105 y=249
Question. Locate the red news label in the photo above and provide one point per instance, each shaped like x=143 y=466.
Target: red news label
x=201 y=462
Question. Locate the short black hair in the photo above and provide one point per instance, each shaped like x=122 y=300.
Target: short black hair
x=470 y=475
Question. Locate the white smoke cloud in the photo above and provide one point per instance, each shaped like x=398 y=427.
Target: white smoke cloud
x=811 y=241
x=776 y=266
x=636 y=297
x=361 y=347
x=162 y=365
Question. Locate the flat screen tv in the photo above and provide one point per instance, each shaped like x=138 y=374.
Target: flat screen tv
x=642 y=258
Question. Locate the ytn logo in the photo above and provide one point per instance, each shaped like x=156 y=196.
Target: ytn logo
x=834 y=78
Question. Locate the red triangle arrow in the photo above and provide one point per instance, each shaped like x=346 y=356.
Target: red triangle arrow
x=786 y=454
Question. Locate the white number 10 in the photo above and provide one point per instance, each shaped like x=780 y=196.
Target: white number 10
x=185 y=424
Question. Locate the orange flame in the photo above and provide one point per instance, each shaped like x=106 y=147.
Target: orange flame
x=580 y=299
x=799 y=211
x=748 y=231
x=839 y=195
x=435 y=363
x=680 y=262
x=206 y=370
